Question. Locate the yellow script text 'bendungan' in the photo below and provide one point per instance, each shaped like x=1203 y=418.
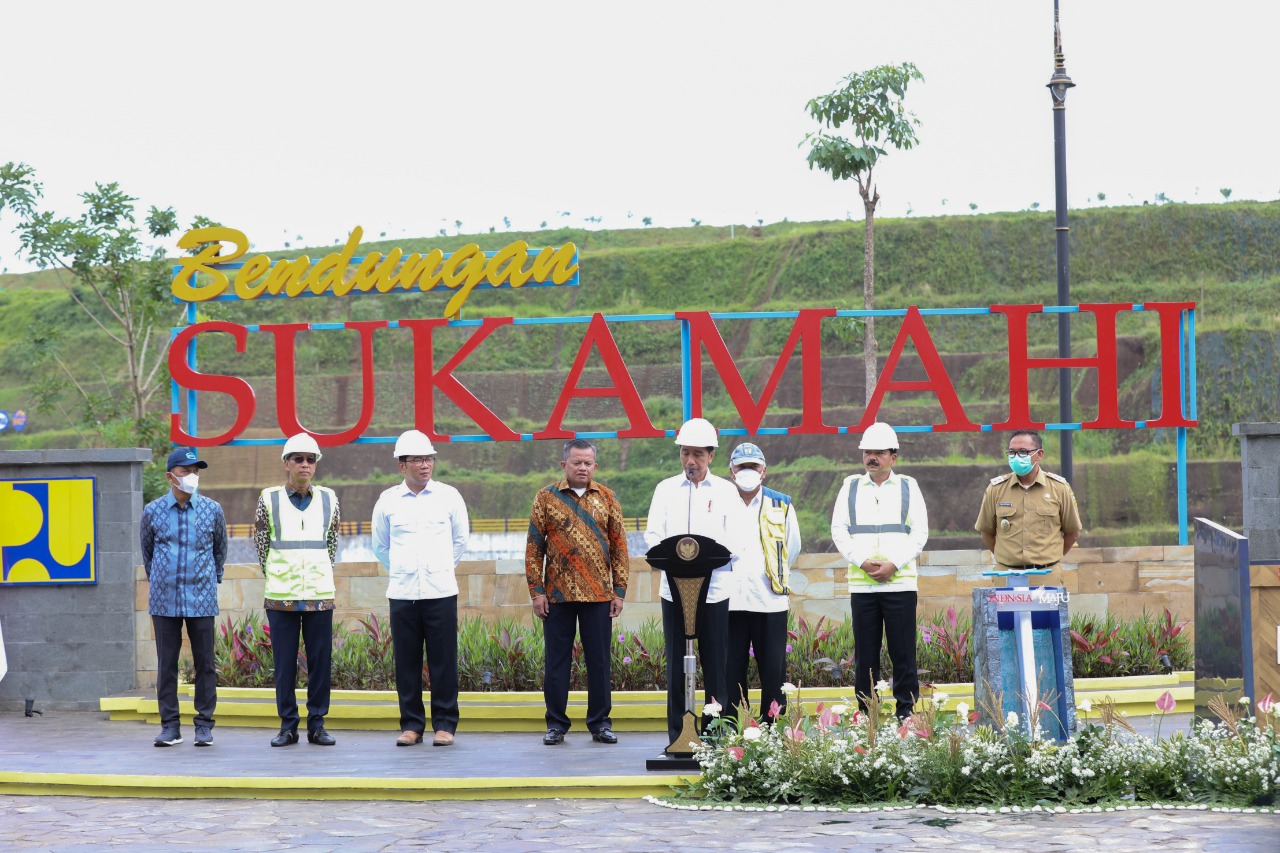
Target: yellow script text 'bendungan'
x=460 y=272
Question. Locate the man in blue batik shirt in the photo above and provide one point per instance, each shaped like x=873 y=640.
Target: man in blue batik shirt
x=184 y=548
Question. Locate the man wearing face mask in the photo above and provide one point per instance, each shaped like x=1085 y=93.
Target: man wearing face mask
x=184 y=549
x=758 y=609
x=880 y=525
x=696 y=501
x=1029 y=518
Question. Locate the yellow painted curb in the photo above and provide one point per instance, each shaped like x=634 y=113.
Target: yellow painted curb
x=336 y=788
x=633 y=711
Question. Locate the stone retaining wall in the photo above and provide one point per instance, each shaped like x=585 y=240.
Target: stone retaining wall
x=1099 y=580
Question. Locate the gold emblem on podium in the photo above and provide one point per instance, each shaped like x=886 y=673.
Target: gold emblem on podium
x=687 y=549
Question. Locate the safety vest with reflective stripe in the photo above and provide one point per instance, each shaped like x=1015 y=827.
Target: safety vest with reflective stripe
x=298 y=565
x=856 y=576
x=773 y=539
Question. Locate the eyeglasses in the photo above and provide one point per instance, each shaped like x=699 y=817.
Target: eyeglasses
x=1021 y=454
x=299 y=458
x=419 y=460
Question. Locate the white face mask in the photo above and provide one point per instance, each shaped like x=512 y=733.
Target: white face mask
x=189 y=483
x=748 y=480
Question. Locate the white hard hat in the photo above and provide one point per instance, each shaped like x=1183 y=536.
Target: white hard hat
x=301 y=443
x=697 y=432
x=414 y=443
x=879 y=436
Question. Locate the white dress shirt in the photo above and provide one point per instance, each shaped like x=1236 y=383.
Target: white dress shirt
x=753 y=591
x=420 y=538
x=679 y=506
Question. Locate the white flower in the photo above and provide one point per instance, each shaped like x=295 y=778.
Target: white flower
x=751 y=733
x=962 y=711
x=712 y=709
x=1244 y=700
x=965 y=770
x=882 y=686
x=1086 y=706
x=940 y=699
x=840 y=709
x=1011 y=720
x=789 y=689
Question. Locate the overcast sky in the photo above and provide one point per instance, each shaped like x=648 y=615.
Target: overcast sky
x=290 y=118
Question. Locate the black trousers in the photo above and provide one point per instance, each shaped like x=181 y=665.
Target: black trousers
x=713 y=644
x=766 y=635
x=316 y=628
x=590 y=619
x=431 y=623
x=168 y=631
x=893 y=616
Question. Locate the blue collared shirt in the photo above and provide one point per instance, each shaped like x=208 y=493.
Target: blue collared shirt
x=184 y=550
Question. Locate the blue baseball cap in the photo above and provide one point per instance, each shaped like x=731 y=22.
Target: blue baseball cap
x=744 y=453
x=185 y=456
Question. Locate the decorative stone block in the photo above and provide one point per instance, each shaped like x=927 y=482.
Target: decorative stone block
x=1089 y=604
x=478 y=588
x=936 y=581
x=1162 y=577
x=1136 y=554
x=1108 y=577
x=366 y=594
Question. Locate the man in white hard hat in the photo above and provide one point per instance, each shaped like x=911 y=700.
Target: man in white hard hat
x=695 y=501
x=296 y=533
x=770 y=536
x=880 y=525
x=576 y=567
x=420 y=530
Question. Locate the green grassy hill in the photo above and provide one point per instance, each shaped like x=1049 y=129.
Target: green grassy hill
x=1225 y=257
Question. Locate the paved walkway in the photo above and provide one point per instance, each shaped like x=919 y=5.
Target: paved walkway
x=634 y=826
x=85 y=743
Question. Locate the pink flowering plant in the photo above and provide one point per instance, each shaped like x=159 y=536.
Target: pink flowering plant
x=835 y=754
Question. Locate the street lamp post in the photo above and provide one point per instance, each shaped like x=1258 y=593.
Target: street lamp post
x=1059 y=83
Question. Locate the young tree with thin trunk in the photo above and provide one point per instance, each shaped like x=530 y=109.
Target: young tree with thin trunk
x=120 y=284
x=869 y=107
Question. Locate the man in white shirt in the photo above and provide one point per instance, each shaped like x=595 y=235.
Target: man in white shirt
x=770 y=536
x=695 y=501
x=880 y=525
x=420 y=530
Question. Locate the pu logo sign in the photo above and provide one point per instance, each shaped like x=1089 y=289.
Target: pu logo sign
x=47 y=531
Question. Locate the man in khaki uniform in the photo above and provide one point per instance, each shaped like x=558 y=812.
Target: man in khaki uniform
x=1029 y=518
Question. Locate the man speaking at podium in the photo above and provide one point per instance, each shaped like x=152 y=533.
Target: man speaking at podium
x=696 y=501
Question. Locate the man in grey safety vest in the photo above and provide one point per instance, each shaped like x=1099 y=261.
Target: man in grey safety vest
x=880 y=525
x=758 y=605
x=296 y=534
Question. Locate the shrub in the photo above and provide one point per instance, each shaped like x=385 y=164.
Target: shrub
x=509 y=655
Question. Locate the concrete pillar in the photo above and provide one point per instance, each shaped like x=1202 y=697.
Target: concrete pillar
x=1260 y=486
x=70 y=644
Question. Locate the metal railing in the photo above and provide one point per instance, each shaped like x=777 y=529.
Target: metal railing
x=478 y=525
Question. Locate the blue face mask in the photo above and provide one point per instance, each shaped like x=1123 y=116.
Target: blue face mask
x=1021 y=465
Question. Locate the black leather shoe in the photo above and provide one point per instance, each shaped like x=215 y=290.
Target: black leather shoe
x=553 y=737
x=285 y=738
x=604 y=736
x=320 y=737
